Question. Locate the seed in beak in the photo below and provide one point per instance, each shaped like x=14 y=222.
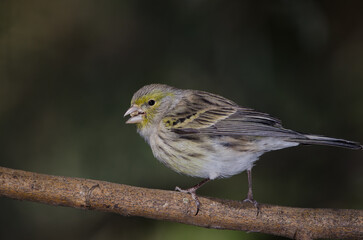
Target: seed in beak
x=135 y=113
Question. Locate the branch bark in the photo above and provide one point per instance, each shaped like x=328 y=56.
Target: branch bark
x=296 y=223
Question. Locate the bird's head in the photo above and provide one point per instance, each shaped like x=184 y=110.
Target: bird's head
x=150 y=103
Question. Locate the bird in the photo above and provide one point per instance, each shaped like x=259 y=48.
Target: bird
x=205 y=135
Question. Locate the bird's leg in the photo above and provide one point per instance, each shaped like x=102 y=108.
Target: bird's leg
x=192 y=192
x=250 y=193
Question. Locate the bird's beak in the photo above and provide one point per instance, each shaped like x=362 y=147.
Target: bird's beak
x=136 y=114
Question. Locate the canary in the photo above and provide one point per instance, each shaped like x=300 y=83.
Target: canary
x=204 y=135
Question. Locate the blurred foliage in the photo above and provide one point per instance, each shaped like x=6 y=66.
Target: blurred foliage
x=68 y=70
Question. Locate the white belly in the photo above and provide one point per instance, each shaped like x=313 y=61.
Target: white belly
x=192 y=158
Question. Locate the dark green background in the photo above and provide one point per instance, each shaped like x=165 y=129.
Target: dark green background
x=68 y=70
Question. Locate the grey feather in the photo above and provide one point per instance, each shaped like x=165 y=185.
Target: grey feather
x=335 y=142
x=247 y=122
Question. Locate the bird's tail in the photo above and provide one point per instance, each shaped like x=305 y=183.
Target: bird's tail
x=320 y=140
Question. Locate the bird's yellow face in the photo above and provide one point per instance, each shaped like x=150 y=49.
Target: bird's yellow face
x=144 y=108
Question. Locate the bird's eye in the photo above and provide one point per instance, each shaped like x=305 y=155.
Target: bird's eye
x=151 y=102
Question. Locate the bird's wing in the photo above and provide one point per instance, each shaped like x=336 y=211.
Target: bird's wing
x=213 y=117
x=248 y=122
x=199 y=110
x=200 y=119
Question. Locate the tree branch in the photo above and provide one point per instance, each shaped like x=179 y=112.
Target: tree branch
x=174 y=206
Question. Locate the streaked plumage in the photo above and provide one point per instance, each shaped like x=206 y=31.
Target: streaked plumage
x=205 y=135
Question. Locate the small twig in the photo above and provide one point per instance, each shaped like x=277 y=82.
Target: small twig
x=126 y=200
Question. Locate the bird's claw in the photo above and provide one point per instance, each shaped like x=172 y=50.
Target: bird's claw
x=255 y=203
x=192 y=192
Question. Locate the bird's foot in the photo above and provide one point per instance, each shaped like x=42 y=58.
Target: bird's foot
x=255 y=203
x=192 y=192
